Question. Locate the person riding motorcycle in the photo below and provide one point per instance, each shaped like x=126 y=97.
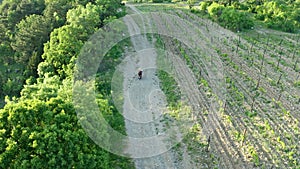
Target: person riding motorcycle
x=140 y=73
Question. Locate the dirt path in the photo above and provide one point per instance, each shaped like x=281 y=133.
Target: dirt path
x=144 y=103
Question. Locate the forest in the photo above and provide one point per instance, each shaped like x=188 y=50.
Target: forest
x=40 y=41
x=39 y=126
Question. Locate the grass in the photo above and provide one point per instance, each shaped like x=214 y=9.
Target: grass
x=168 y=83
x=106 y=77
x=169 y=87
x=109 y=78
x=194 y=140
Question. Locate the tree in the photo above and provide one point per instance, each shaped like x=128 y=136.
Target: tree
x=87 y=18
x=41 y=130
x=62 y=47
x=191 y=3
x=279 y=15
x=230 y=17
x=157 y=1
x=110 y=8
x=3 y=31
x=204 y=5
x=235 y=20
x=56 y=12
x=30 y=36
x=16 y=10
x=215 y=10
x=6 y=54
x=228 y=2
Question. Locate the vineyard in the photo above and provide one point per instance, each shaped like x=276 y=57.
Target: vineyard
x=256 y=124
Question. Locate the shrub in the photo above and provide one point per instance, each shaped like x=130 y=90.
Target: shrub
x=204 y=5
x=235 y=20
x=215 y=10
x=279 y=15
x=230 y=17
x=157 y=1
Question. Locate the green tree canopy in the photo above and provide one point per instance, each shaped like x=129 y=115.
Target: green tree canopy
x=279 y=15
x=235 y=20
x=56 y=11
x=31 y=34
x=41 y=130
x=62 y=49
x=87 y=18
x=230 y=17
x=59 y=51
x=16 y=10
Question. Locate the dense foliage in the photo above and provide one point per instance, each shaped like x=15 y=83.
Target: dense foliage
x=40 y=130
x=282 y=15
x=39 y=43
x=229 y=16
x=236 y=15
x=25 y=27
